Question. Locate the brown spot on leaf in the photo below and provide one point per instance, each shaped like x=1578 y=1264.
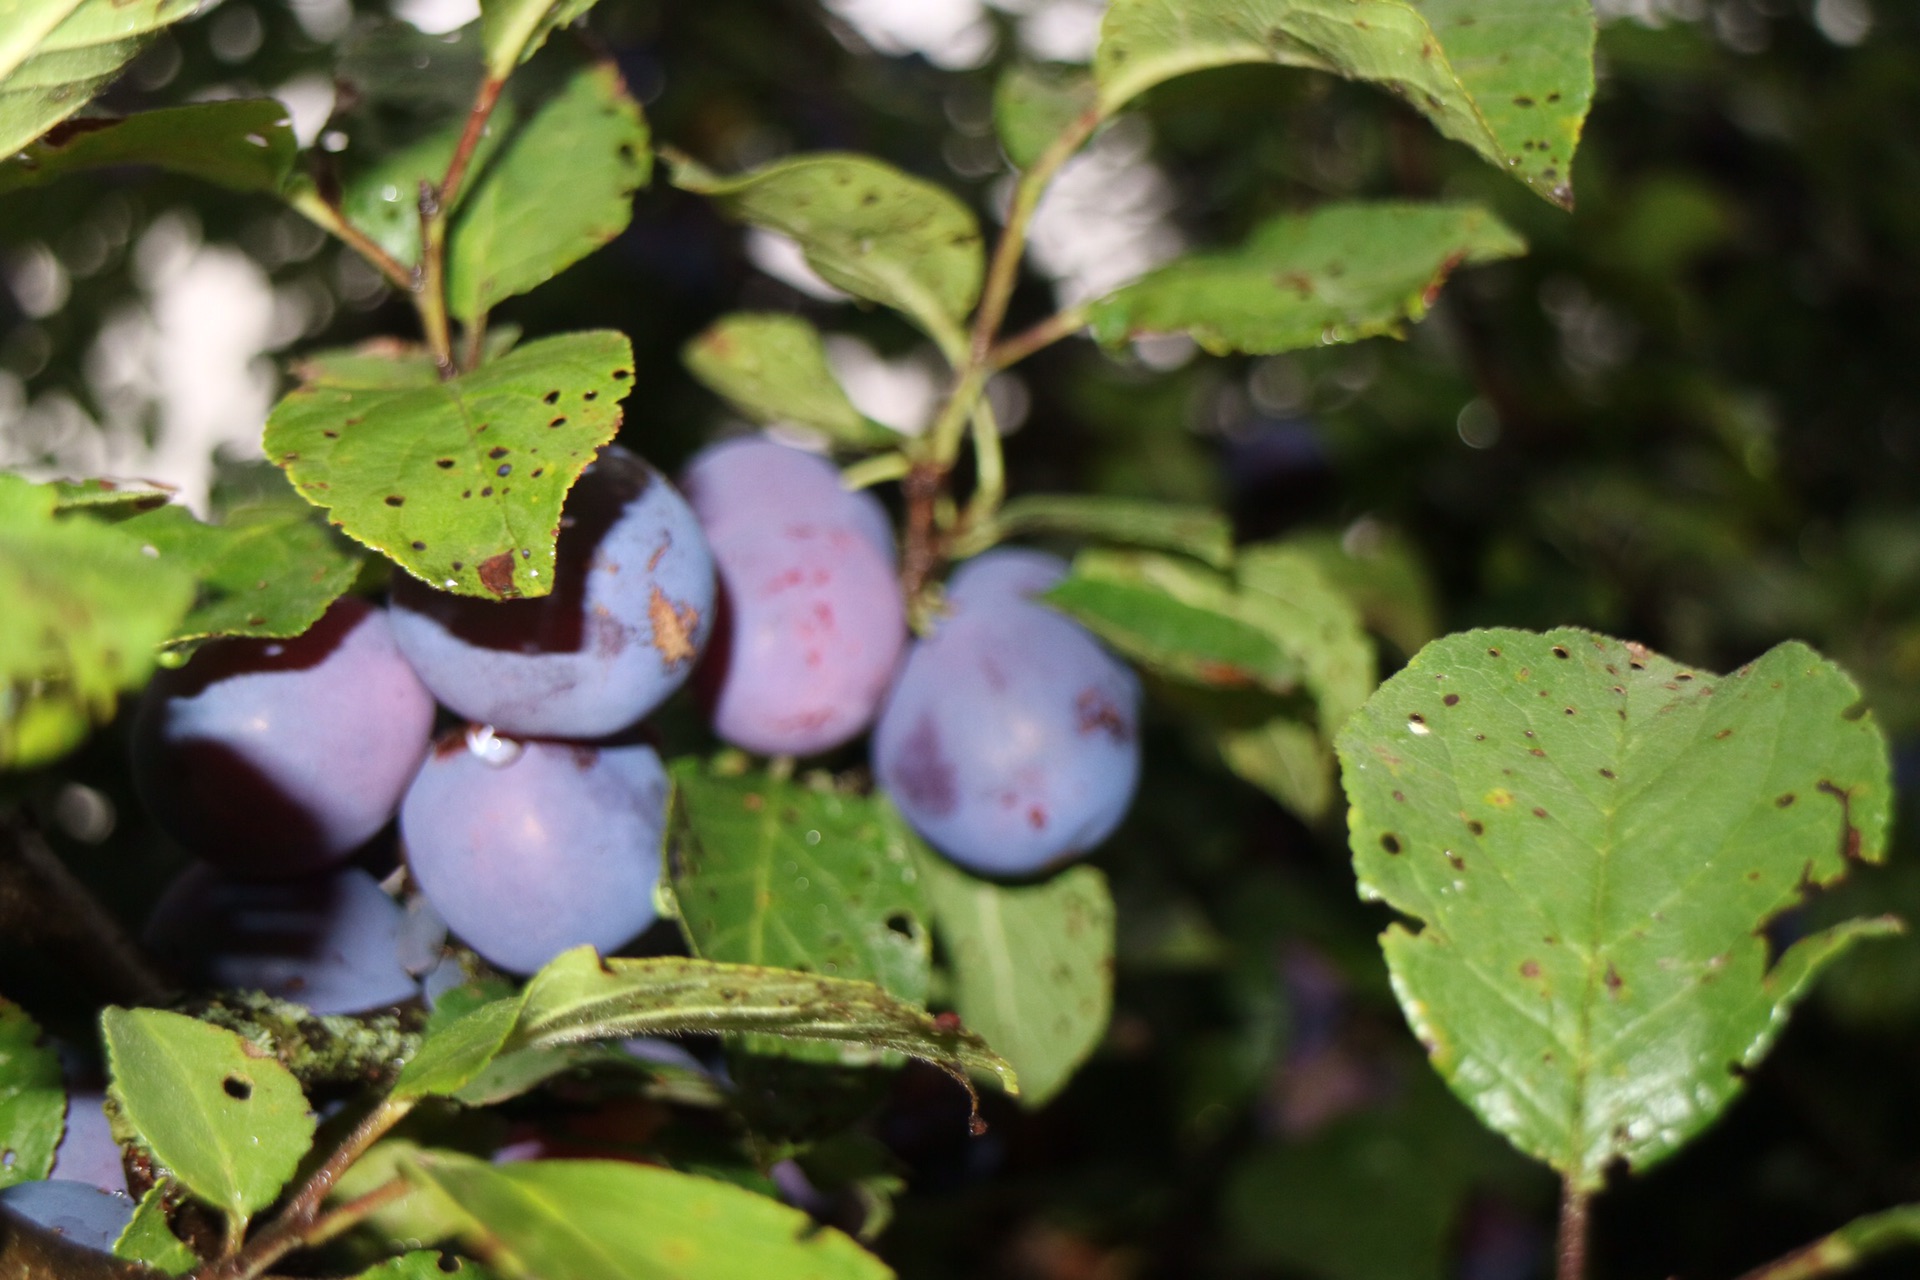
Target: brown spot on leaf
x=1530 y=968
x=1451 y=700
x=496 y=575
x=1390 y=842
x=395 y=500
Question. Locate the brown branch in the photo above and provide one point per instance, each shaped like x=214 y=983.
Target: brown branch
x=1061 y=324
x=1571 y=1250
x=483 y=105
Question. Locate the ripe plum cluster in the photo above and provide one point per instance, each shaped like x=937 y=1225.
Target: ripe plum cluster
x=1007 y=736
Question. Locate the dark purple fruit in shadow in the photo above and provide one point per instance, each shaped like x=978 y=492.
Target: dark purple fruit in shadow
x=276 y=758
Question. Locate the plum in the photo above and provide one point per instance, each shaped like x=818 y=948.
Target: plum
x=630 y=610
x=812 y=617
x=78 y=1211
x=333 y=943
x=280 y=757
x=1011 y=739
x=529 y=848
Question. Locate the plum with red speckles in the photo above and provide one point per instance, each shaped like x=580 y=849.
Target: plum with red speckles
x=530 y=848
x=1011 y=739
x=280 y=757
x=813 y=618
x=79 y=1212
x=334 y=943
x=630 y=611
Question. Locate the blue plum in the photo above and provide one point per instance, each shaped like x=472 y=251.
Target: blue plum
x=87 y=1152
x=813 y=621
x=82 y=1213
x=630 y=611
x=280 y=757
x=1011 y=740
x=332 y=942
x=529 y=848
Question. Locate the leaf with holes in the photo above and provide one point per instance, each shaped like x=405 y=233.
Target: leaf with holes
x=612 y=1220
x=245 y=144
x=580 y=997
x=269 y=570
x=1200 y=532
x=148 y=1238
x=582 y=136
x=1032 y=966
x=33 y=1104
x=773 y=368
x=1588 y=841
x=775 y=873
x=55 y=55
x=229 y=1122
x=866 y=227
x=1033 y=105
x=1510 y=78
x=460 y=481
x=1338 y=274
x=85 y=611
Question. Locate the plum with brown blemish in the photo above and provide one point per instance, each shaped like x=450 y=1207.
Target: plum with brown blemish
x=631 y=608
x=277 y=758
x=527 y=849
x=1011 y=740
x=813 y=619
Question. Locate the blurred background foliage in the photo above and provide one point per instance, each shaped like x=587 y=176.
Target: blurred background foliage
x=1691 y=416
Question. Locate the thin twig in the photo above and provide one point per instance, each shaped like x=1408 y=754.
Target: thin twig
x=40 y=898
x=432 y=301
x=1843 y=1250
x=309 y=204
x=293 y=1226
x=1061 y=324
x=483 y=105
x=1572 y=1247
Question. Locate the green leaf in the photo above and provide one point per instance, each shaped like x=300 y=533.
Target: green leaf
x=246 y=144
x=452 y=1053
x=425 y=1264
x=1378 y=569
x=783 y=875
x=1032 y=966
x=611 y=1220
x=1197 y=531
x=55 y=55
x=33 y=1103
x=866 y=227
x=460 y=481
x=1316 y=622
x=1177 y=619
x=269 y=571
x=1286 y=758
x=1338 y=274
x=580 y=997
x=148 y=1239
x=230 y=1123
x=1033 y=105
x=85 y=611
x=108 y=499
x=585 y=142
x=1588 y=839
x=773 y=368
x=1510 y=78
x=511 y=31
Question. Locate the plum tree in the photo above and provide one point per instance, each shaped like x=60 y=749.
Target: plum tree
x=79 y=1211
x=332 y=942
x=529 y=848
x=280 y=757
x=812 y=616
x=630 y=610
x=1011 y=739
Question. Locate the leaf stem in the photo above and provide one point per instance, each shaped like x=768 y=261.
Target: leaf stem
x=875 y=470
x=1571 y=1249
x=1061 y=324
x=483 y=105
x=431 y=299
x=294 y=1226
x=1845 y=1249
x=306 y=201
